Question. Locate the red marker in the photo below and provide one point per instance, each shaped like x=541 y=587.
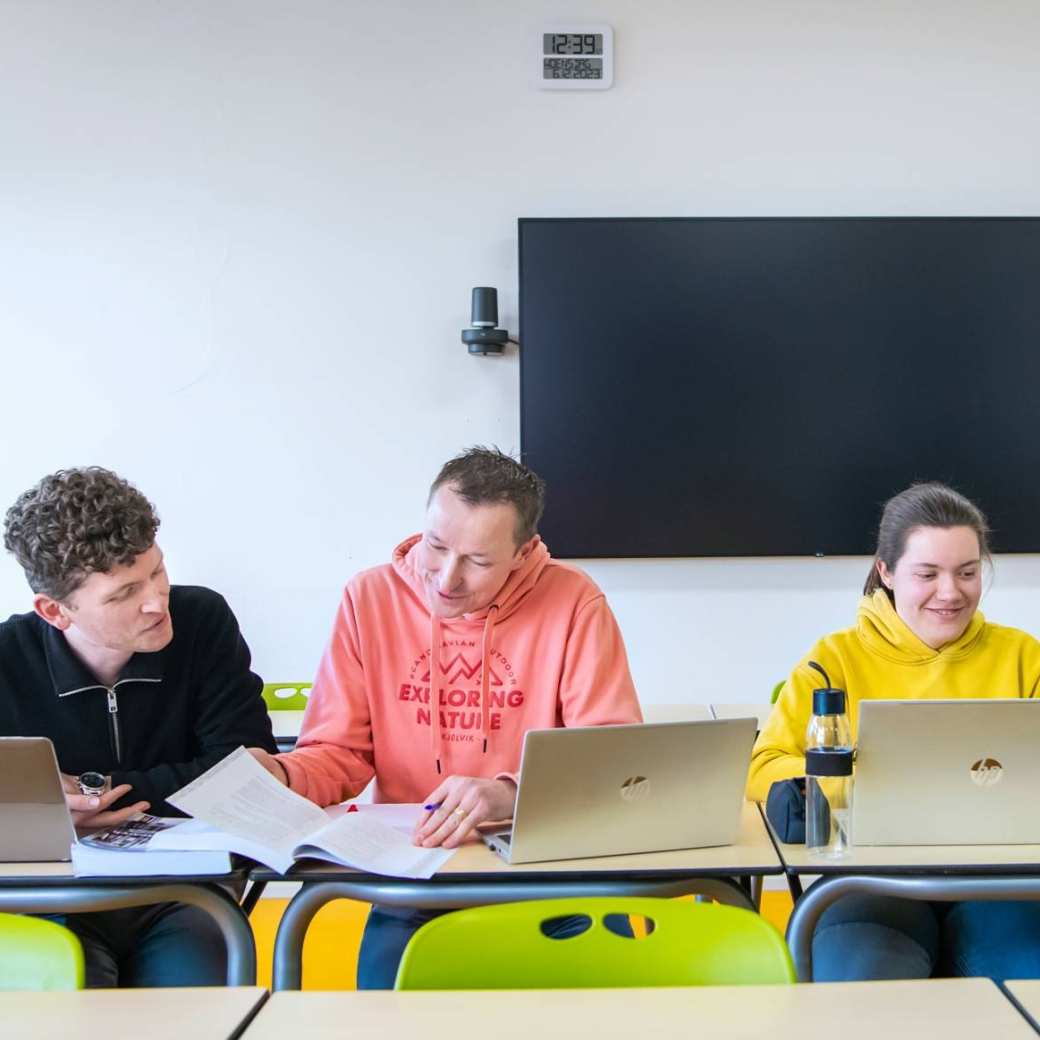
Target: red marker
x=352 y=808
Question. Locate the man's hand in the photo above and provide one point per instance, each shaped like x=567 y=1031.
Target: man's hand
x=91 y=810
x=465 y=801
x=271 y=764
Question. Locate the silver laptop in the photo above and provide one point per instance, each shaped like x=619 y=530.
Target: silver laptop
x=611 y=790
x=35 y=825
x=953 y=772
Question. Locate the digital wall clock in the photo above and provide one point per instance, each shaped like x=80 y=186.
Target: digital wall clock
x=575 y=56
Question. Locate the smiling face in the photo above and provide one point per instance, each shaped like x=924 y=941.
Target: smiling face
x=937 y=582
x=115 y=614
x=467 y=553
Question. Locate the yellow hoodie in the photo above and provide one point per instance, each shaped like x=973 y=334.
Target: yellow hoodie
x=881 y=659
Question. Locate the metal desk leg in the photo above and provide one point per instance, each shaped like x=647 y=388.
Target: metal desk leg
x=755 y=884
x=81 y=898
x=287 y=970
x=939 y=888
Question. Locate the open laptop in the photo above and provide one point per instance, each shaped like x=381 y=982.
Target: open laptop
x=951 y=772
x=35 y=825
x=611 y=790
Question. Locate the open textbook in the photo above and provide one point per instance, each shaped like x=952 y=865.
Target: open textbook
x=237 y=806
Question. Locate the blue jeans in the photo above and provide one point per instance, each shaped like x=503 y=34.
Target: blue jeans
x=168 y=944
x=388 y=930
x=878 y=937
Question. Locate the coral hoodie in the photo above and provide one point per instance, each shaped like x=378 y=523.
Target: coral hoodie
x=411 y=698
x=882 y=659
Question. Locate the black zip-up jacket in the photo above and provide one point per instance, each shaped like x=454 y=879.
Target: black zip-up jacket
x=167 y=718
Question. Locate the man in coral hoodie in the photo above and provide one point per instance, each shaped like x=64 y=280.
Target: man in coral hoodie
x=440 y=662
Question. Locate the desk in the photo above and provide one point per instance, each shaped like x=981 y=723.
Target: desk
x=286 y=728
x=676 y=712
x=757 y=710
x=476 y=876
x=129 y=1014
x=945 y=873
x=1027 y=994
x=955 y=1009
x=52 y=888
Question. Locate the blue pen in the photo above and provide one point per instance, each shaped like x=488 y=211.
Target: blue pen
x=430 y=808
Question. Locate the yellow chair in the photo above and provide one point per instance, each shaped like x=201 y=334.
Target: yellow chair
x=685 y=944
x=39 y=955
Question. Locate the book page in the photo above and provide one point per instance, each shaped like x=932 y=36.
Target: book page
x=363 y=841
x=241 y=798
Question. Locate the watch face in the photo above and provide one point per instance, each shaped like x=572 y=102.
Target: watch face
x=91 y=782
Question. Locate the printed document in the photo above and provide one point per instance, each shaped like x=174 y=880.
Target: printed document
x=247 y=810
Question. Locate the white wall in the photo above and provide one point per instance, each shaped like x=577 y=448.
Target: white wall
x=237 y=239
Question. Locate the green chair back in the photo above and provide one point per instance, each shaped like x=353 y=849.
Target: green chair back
x=686 y=944
x=285 y=696
x=776 y=691
x=39 y=955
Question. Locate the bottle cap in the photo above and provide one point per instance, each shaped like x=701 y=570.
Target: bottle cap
x=828 y=701
x=828 y=761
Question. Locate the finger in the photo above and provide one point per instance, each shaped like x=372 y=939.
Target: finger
x=465 y=829
x=90 y=803
x=436 y=820
x=435 y=797
x=115 y=816
x=107 y=818
x=447 y=826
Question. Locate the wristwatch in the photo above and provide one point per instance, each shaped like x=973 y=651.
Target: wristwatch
x=92 y=783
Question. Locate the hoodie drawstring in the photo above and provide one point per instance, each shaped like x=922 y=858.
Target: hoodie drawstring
x=436 y=736
x=485 y=674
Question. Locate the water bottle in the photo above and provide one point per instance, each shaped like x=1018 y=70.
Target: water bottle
x=828 y=773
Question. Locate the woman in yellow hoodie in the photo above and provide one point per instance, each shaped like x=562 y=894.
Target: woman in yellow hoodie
x=918 y=634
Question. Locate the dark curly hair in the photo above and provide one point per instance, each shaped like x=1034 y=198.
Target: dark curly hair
x=481 y=475
x=75 y=522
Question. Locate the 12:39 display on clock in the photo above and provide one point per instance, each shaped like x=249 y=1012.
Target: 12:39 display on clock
x=572 y=43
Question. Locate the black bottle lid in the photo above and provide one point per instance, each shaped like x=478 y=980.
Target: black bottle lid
x=828 y=761
x=828 y=701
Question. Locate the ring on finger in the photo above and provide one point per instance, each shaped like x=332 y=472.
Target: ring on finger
x=458 y=811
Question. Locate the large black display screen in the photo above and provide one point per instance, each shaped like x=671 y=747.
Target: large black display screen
x=754 y=386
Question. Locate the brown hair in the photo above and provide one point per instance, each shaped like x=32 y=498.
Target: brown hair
x=922 y=505
x=75 y=522
x=483 y=475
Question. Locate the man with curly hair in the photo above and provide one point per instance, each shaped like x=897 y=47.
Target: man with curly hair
x=145 y=683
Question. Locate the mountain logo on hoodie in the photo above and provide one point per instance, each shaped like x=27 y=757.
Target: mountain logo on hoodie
x=458 y=668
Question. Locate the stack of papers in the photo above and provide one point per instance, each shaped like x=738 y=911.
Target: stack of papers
x=128 y=851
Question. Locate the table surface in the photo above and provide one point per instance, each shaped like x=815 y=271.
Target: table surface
x=129 y=1014
x=286 y=723
x=752 y=853
x=991 y=860
x=952 y=1008
x=756 y=710
x=58 y=874
x=1027 y=993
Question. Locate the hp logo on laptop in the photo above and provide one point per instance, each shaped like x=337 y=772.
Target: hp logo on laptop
x=635 y=789
x=986 y=772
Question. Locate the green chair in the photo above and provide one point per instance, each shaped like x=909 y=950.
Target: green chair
x=38 y=954
x=686 y=944
x=285 y=696
x=776 y=691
